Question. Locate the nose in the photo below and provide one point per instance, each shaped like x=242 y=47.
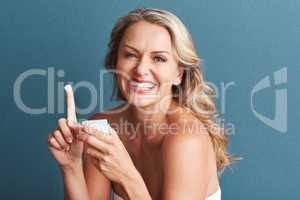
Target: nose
x=143 y=68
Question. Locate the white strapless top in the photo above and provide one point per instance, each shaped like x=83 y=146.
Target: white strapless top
x=214 y=196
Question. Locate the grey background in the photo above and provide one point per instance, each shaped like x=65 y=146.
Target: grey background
x=240 y=41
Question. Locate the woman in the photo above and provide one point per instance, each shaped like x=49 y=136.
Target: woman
x=170 y=147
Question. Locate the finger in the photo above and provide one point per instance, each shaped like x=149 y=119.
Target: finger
x=94 y=153
x=112 y=131
x=53 y=143
x=93 y=141
x=60 y=139
x=71 y=113
x=98 y=134
x=65 y=130
x=99 y=164
x=75 y=128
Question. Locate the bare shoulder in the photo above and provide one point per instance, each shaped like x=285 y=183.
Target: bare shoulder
x=187 y=125
x=189 y=132
x=189 y=138
x=188 y=159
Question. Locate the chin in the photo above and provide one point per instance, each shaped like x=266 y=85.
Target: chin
x=139 y=100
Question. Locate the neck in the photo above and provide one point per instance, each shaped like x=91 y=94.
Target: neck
x=152 y=113
x=147 y=118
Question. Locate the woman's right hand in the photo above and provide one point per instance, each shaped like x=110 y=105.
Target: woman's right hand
x=62 y=142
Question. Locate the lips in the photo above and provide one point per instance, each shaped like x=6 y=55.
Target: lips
x=141 y=85
x=144 y=85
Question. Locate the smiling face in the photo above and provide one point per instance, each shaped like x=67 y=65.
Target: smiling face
x=146 y=66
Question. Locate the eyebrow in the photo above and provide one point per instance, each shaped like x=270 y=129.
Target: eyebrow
x=128 y=46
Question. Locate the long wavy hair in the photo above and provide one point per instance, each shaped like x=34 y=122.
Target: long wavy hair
x=197 y=95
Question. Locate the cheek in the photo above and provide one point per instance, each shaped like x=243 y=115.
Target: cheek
x=123 y=69
x=122 y=73
x=167 y=74
x=122 y=65
x=122 y=85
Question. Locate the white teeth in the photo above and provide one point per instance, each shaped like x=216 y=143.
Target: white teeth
x=142 y=85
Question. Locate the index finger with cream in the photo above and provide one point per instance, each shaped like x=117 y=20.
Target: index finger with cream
x=71 y=113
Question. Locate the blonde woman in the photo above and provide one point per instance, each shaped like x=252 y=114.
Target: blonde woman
x=170 y=147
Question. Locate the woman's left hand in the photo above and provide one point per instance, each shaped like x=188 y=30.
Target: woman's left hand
x=108 y=153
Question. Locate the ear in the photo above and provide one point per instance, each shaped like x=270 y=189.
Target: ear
x=179 y=74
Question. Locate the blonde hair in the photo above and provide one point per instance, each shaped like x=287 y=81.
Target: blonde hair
x=192 y=84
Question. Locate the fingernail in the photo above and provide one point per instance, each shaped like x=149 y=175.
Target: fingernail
x=68 y=87
x=70 y=123
x=70 y=140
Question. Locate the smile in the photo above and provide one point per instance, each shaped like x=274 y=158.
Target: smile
x=141 y=87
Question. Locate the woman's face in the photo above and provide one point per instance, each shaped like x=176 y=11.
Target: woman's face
x=146 y=66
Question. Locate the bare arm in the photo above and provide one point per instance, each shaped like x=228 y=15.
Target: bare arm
x=136 y=188
x=107 y=160
x=74 y=184
x=85 y=183
x=188 y=165
x=98 y=185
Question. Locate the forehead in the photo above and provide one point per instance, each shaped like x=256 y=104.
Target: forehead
x=147 y=36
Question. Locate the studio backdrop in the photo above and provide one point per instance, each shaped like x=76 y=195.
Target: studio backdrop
x=250 y=51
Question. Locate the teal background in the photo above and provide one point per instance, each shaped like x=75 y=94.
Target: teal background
x=239 y=41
